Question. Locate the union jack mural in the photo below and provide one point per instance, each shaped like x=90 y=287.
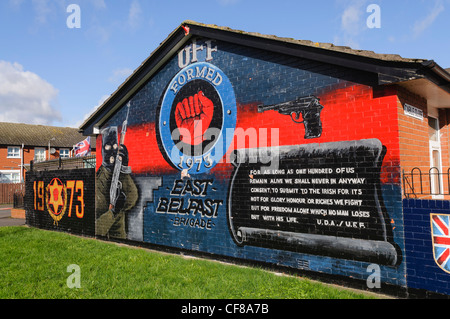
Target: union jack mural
x=440 y=232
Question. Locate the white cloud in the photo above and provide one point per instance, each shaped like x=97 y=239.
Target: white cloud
x=15 y=3
x=25 y=97
x=87 y=115
x=99 y=33
x=421 y=25
x=353 y=23
x=120 y=75
x=42 y=10
x=99 y=4
x=351 y=18
x=134 y=15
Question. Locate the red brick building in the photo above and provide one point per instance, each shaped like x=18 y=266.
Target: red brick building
x=424 y=140
x=22 y=143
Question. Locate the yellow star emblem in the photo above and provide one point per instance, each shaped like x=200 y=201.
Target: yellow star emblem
x=55 y=195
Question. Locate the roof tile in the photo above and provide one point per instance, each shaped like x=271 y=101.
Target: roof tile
x=39 y=135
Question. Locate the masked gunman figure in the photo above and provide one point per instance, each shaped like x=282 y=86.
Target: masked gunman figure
x=116 y=192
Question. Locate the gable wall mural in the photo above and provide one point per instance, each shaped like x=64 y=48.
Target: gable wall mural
x=250 y=154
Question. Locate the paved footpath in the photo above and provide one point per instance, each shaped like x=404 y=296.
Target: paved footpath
x=6 y=220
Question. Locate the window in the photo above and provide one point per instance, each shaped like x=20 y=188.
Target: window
x=39 y=154
x=433 y=129
x=435 y=170
x=13 y=152
x=64 y=153
x=9 y=176
x=435 y=157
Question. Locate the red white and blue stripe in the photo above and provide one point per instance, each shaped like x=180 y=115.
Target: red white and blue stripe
x=83 y=148
x=440 y=227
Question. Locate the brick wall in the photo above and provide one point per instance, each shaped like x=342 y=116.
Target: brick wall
x=413 y=133
x=7 y=163
x=428 y=271
x=227 y=208
x=14 y=163
x=445 y=148
x=332 y=205
x=61 y=200
x=415 y=145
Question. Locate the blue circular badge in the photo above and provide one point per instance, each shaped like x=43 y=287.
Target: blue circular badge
x=197 y=118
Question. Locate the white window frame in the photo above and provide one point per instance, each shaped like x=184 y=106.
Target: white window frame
x=13 y=154
x=40 y=159
x=65 y=155
x=436 y=146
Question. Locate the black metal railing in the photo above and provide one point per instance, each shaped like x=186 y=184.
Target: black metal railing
x=64 y=163
x=416 y=183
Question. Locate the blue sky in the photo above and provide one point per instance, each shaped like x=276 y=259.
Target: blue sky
x=55 y=75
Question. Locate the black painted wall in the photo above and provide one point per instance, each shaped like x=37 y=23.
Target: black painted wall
x=62 y=200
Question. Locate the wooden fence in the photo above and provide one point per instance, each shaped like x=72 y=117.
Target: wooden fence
x=64 y=163
x=7 y=192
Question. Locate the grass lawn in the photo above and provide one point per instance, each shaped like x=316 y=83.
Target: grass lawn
x=34 y=265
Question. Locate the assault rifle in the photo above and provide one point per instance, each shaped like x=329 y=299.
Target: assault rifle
x=116 y=185
x=309 y=107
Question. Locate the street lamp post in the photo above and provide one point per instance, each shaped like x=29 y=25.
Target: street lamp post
x=52 y=139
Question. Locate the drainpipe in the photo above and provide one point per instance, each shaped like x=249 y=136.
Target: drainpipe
x=21 y=164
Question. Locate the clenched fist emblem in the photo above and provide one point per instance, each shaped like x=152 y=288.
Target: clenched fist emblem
x=193 y=116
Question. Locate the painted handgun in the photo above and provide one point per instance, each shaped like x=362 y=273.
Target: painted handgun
x=309 y=107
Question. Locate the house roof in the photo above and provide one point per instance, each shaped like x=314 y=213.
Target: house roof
x=16 y=134
x=320 y=45
x=390 y=68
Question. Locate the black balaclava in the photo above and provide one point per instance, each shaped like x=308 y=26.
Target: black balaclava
x=109 y=147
